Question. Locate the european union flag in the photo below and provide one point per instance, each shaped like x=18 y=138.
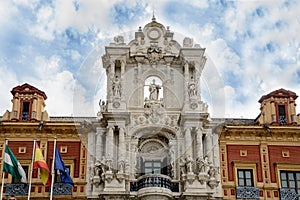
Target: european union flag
x=60 y=165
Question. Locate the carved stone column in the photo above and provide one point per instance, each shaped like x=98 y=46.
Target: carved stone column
x=197 y=78
x=110 y=142
x=122 y=78
x=112 y=77
x=133 y=158
x=188 y=142
x=199 y=145
x=208 y=144
x=140 y=84
x=180 y=152
x=174 y=156
x=99 y=144
x=186 y=78
x=34 y=107
x=215 y=146
x=122 y=144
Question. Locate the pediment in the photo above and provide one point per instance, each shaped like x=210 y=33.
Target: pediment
x=28 y=89
x=154 y=38
x=280 y=93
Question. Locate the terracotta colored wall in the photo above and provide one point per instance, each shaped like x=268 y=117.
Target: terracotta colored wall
x=14 y=147
x=275 y=155
x=253 y=155
x=73 y=153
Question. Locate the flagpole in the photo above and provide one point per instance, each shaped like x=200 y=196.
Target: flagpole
x=3 y=173
x=52 y=169
x=31 y=168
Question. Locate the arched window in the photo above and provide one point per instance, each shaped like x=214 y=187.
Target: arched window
x=154 y=157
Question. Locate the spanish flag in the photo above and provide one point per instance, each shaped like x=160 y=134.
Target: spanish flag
x=39 y=162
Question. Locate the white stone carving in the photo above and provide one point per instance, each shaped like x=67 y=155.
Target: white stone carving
x=174 y=130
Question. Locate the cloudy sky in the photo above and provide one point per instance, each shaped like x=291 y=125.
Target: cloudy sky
x=253 y=48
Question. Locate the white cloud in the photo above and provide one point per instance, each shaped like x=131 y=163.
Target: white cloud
x=44 y=27
x=198 y=3
x=89 y=13
x=59 y=90
x=8 y=80
x=7 y=12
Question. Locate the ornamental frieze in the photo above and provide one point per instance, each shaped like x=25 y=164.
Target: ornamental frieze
x=158 y=117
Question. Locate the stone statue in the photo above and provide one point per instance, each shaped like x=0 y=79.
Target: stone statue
x=154 y=90
x=189 y=164
x=103 y=165
x=182 y=166
x=97 y=169
x=116 y=87
x=192 y=90
x=127 y=166
x=121 y=166
x=108 y=163
x=213 y=171
x=102 y=106
x=204 y=165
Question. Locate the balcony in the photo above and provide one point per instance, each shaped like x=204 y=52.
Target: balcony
x=17 y=189
x=286 y=193
x=154 y=180
x=21 y=189
x=246 y=192
x=62 y=189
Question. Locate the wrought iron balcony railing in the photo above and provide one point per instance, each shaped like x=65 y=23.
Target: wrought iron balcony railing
x=246 y=192
x=21 y=189
x=17 y=189
x=154 y=180
x=287 y=193
x=62 y=189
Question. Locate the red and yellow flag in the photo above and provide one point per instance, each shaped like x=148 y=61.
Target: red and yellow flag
x=39 y=162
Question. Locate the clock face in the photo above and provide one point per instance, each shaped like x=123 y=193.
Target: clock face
x=154 y=34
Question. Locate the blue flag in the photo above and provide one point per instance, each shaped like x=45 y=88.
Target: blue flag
x=60 y=165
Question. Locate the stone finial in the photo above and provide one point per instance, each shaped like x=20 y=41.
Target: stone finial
x=187 y=42
x=119 y=39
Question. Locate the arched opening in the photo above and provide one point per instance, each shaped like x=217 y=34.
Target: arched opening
x=153 y=90
x=154 y=156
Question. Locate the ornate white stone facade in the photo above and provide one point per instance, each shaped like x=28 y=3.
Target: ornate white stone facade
x=154 y=138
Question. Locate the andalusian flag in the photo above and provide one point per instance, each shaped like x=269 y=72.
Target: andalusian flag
x=39 y=162
x=12 y=166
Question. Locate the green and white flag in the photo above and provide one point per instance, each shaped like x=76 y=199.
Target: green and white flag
x=12 y=166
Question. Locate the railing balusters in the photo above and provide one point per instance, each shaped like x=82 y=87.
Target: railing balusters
x=154 y=181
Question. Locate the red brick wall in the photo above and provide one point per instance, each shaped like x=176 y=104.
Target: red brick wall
x=275 y=155
x=72 y=153
x=14 y=146
x=253 y=155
